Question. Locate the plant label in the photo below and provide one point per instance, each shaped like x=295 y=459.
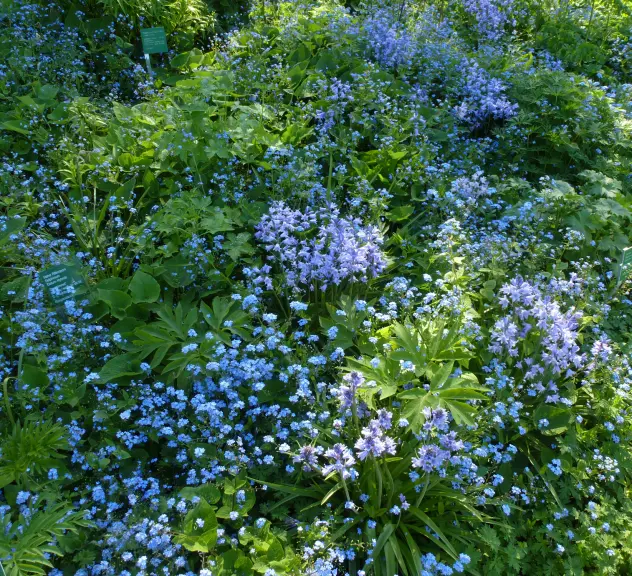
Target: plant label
x=154 y=40
x=62 y=282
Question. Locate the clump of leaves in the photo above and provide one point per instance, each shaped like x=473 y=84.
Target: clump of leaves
x=26 y=544
x=30 y=449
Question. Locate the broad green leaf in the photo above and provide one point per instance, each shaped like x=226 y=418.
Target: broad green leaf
x=117 y=300
x=9 y=227
x=34 y=376
x=217 y=223
x=559 y=419
x=144 y=288
x=461 y=412
x=238 y=245
x=416 y=400
x=200 y=529
x=401 y=213
x=15 y=126
x=119 y=367
x=209 y=492
x=275 y=552
x=179 y=272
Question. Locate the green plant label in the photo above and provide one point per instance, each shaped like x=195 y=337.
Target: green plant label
x=62 y=282
x=154 y=40
x=626 y=263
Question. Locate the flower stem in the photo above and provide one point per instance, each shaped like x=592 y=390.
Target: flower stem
x=5 y=393
x=378 y=475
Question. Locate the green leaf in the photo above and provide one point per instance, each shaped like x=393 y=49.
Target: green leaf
x=415 y=553
x=144 y=288
x=179 y=272
x=209 y=492
x=401 y=213
x=329 y=494
x=15 y=290
x=489 y=536
x=607 y=206
x=415 y=350
x=117 y=300
x=224 y=512
x=295 y=490
x=441 y=375
x=418 y=399
x=461 y=412
x=398 y=155
x=9 y=227
x=238 y=244
x=431 y=524
x=294 y=133
x=60 y=114
x=389 y=557
x=275 y=552
x=124 y=192
x=217 y=223
x=559 y=418
x=47 y=92
x=398 y=554
x=120 y=366
x=382 y=539
x=15 y=126
x=34 y=376
x=343 y=529
x=200 y=529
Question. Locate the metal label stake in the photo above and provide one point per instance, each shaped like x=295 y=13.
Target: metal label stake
x=148 y=63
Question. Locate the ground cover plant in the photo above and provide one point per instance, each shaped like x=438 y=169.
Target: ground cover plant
x=340 y=288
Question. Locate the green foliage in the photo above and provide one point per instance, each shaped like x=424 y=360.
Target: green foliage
x=258 y=549
x=430 y=351
x=568 y=124
x=174 y=397
x=29 y=450
x=183 y=19
x=28 y=543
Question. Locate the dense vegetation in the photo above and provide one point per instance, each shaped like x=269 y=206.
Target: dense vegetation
x=340 y=288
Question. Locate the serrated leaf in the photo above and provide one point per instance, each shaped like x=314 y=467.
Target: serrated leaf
x=441 y=375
